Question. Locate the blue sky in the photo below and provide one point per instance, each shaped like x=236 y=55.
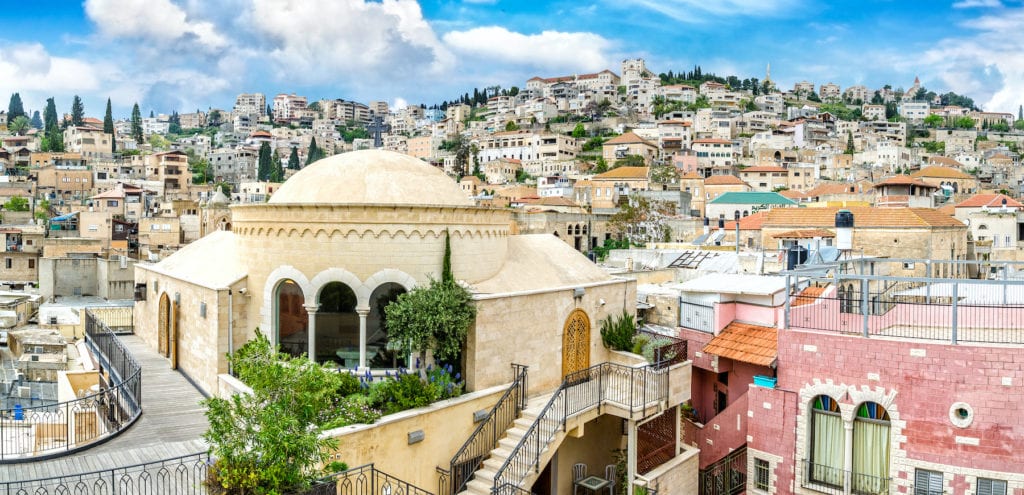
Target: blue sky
x=188 y=54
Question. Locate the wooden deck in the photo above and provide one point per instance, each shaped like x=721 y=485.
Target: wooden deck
x=171 y=425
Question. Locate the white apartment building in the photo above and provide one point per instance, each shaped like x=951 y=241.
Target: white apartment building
x=289 y=107
x=873 y=112
x=914 y=110
x=526 y=145
x=829 y=91
x=154 y=125
x=345 y=111
x=858 y=92
x=554 y=186
x=250 y=104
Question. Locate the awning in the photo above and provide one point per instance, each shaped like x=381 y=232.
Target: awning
x=752 y=344
x=63 y=218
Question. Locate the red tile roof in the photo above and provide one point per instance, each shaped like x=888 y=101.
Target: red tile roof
x=808 y=296
x=993 y=200
x=904 y=180
x=723 y=180
x=753 y=344
x=801 y=218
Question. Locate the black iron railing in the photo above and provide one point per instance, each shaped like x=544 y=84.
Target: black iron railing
x=486 y=435
x=832 y=480
x=176 y=476
x=672 y=353
x=634 y=389
x=56 y=429
x=364 y=480
x=727 y=476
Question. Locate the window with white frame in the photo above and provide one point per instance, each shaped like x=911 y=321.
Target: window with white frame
x=868 y=454
x=987 y=486
x=927 y=482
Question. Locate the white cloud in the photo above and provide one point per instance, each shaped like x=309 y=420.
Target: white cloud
x=968 y=4
x=988 y=66
x=696 y=11
x=318 y=42
x=154 y=20
x=548 y=50
x=32 y=71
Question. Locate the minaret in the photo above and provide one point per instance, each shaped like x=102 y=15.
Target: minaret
x=768 y=73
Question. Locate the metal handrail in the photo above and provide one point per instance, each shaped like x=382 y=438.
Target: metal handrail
x=63 y=425
x=483 y=439
x=580 y=391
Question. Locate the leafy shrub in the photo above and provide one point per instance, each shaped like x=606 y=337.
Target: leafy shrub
x=353 y=410
x=404 y=391
x=652 y=345
x=617 y=332
x=349 y=384
x=445 y=385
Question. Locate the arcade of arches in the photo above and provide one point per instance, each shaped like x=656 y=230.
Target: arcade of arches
x=342 y=332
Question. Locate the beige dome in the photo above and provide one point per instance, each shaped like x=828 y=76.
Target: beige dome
x=371 y=177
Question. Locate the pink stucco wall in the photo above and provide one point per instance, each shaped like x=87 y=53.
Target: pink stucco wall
x=926 y=378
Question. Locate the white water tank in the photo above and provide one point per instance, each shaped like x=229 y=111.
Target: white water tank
x=844 y=230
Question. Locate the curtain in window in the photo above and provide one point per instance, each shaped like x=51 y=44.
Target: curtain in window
x=828 y=450
x=870 y=457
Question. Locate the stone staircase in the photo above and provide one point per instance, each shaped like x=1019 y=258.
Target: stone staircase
x=483 y=478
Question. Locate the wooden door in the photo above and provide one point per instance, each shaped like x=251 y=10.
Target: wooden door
x=576 y=342
x=164 y=329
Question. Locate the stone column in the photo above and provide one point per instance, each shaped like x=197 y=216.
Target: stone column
x=631 y=430
x=311 y=330
x=848 y=457
x=363 y=311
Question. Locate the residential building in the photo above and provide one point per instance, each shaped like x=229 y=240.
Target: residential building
x=250 y=104
x=626 y=145
x=829 y=91
x=288 y=108
x=914 y=110
x=714 y=156
x=727 y=205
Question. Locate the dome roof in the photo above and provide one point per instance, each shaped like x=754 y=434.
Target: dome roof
x=371 y=177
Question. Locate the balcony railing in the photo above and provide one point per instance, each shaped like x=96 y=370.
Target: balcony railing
x=73 y=425
x=485 y=437
x=634 y=389
x=953 y=310
x=831 y=480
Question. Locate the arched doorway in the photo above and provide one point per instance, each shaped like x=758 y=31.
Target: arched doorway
x=164 y=327
x=379 y=354
x=576 y=342
x=292 y=320
x=337 y=325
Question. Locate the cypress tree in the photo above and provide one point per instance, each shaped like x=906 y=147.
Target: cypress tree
x=137 y=123
x=293 y=159
x=108 y=127
x=77 y=111
x=37 y=121
x=53 y=139
x=15 y=108
x=263 y=168
x=276 y=172
x=446 y=262
x=313 y=154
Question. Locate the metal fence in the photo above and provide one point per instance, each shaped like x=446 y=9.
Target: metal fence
x=727 y=476
x=633 y=389
x=176 y=476
x=187 y=475
x=485 y=437
x=669 y=354
x=30 y=432
x=950 y=311
x=830 y=480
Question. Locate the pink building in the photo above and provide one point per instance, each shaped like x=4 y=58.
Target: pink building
x=882 y=384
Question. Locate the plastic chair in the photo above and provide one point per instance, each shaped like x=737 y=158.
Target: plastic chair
x=609 y=474
x=579 y=471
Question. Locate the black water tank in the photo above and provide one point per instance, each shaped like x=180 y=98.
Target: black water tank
x=797 y=255
x=844 y=218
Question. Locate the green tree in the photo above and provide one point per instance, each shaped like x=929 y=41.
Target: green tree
x=630 y=161
x=42 y=209
x=641 y=220
x=214 y=118
x=37 y=121
x=276 y=172
x=293 y=159
x=16 y=203
x=137 y=124
x=1019 y=125
x=579 y=131
x=108 y=127
x=53 y=137
x=19 y=125
x=664 y=174
x=158 y=142
x=263 y=167
x=933 y=120
x=850 y=149
x=511 y=126
x=1020 y=112
x=77 y=111
x=601 y=166
x=268 y=442
x=964 y=123
x=433 y=318
x=15 y=108
x=314 y=152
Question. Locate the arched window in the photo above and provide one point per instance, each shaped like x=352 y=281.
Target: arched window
x=292 y=320
x=380 y=352
x=337 y=325
x=827 y=442
x=870 y=449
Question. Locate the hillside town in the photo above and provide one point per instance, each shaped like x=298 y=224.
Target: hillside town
x=679 y=283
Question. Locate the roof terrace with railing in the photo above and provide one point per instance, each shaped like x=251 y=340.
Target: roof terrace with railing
x=955 y=301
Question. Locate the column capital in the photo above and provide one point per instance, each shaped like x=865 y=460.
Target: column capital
x=311 y=308
x=363 y=310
